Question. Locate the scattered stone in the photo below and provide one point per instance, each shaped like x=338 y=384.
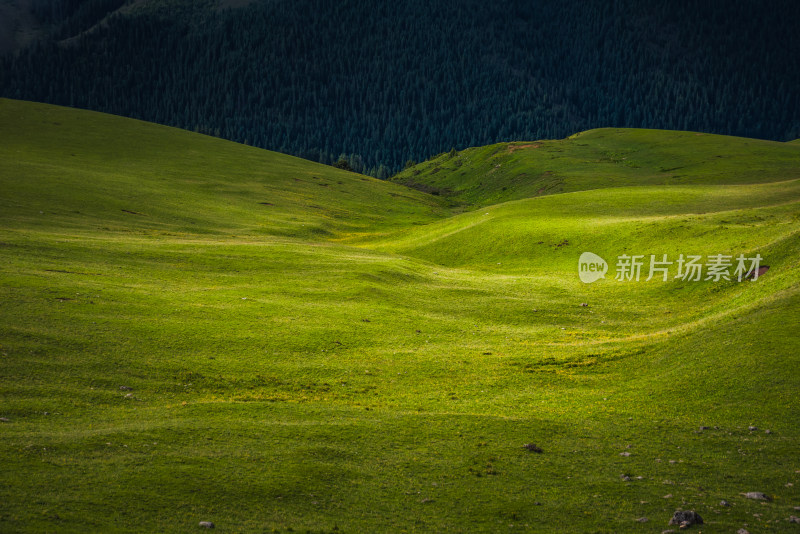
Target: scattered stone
x=642 y=520
x=768 y=431
x=670 y=531
x=685 y=518
x=705 y=428
x=426 y=501
x=584 y=304
x=752 y=428
x=667 y=496
x=206 y=524
x=797 y=507
x=724 y=503
x=5 y=420
x=125 y=388
x=533 y=447
x=129 y=395
x=794 y=519
x=742 y=531
x=673 y=462
x=757 y=495
x=625 y=478
x=537 y=503
x=626 y=453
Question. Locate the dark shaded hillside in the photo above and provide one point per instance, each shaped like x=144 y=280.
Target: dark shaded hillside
x=386 y=82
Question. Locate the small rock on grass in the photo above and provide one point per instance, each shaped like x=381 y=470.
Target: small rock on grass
x=794 y=519
x=626 y=453
x=206 y=524
x=643 y=520
x=685 y=518
x=125 y=388
x=533 y=447
x=5 y=420
x=724 y=503
x=752 y=428
x=757 y=495
x=742 y=531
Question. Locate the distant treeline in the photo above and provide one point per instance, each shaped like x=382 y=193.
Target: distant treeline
x=372 y=84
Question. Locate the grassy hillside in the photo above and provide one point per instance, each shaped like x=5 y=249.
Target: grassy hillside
x=86 y=171
x=596 y=159
x=380 y=368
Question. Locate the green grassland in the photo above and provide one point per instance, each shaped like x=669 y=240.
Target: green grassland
x=314 y=350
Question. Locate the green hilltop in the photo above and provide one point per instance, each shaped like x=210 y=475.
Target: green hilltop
x=597 y=159
x=195 y=330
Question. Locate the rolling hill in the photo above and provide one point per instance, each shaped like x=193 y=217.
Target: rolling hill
x=608 y=157
x=155 y=180
x=195 y=330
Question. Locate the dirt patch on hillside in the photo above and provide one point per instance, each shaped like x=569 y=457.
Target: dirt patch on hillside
x=513 y=148
x=761 y=271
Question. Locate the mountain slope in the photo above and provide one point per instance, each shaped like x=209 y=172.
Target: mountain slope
x=295 y=76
